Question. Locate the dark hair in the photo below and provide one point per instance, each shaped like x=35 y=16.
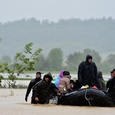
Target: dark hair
x=72 y=81
x=66 y=73
x=88 y=57
x=48 y=75
x=38 y=73
x=113 y=69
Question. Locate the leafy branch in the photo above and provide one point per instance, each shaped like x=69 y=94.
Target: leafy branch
x=21 y=62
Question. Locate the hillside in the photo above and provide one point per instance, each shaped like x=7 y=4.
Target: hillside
x=70 y=35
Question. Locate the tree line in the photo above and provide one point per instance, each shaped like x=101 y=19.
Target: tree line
x=55 y=61
x=75 y=34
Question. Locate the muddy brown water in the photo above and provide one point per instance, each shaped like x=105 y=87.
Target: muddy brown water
x=12 y=103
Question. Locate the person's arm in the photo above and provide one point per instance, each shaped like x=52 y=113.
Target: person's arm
x=68 y=84
x=95 y=71
x=80 y=71
x=36 y=89
x=96 y=76
x=28 y=90
x=107 y=84
x=56 y=90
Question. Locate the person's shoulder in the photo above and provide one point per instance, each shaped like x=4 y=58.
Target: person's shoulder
x=35 y=80
x=39 y=83
x=110 y=79
x=93 y=63
x=52 y=83
x=113 y=78
x=32 y=81
x=82 y=63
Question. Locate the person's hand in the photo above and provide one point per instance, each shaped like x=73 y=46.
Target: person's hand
x=26 y=99
x=71 y=85
x=36 y=99
x=94 y=87
x=58 y=94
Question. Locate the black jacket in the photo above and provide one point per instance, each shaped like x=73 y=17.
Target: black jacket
x=44 y=91
x=108 y=84
x=102 y=85
x=87 y=73
x=111 y=87
x=31 y=84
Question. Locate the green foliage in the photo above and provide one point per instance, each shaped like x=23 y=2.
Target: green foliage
x=21 y=63
x=73 y=61
x=12 y=77
x=41 y=63
x=96 y=56
x=69 y=35
x=1 y=77
x=109 y=63
x=53 y=62
x=55 y=59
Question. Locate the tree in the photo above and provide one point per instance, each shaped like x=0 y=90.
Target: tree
x=111 y=59
x=55 y=59
x=73 y=61
x=109 y=63
x=21 y=63
x=40 y=64
x=95 y=55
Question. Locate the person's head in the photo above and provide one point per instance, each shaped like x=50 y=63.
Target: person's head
x=38 y=74
x=48 y=77
x=61 y=73
x=111 y=73
x=99 y=73
x=67 y=74
x=114 y=72
x=72 y=83
x=89 y=58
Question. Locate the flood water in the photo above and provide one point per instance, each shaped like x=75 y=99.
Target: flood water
x=12 y=103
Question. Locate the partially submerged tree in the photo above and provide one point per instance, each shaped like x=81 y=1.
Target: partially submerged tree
x=23 y=61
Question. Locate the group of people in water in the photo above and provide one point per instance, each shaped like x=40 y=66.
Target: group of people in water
x=88 y=76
